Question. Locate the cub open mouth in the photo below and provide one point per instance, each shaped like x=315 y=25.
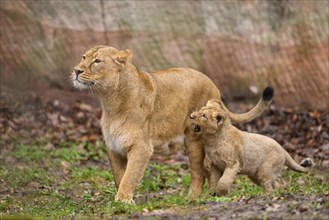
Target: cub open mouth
x=196 y=128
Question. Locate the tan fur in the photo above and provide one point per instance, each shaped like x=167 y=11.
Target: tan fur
x=233 y=152
x=141 y=111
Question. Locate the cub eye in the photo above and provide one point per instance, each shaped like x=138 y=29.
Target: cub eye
x=203 y=115
x=218 y=118
x=83 y=57
x=97 y=61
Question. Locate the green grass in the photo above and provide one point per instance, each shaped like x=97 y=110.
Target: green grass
x=74 y=180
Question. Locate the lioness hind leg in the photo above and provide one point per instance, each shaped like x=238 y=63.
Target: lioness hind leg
x=138 y=158
x=207 y=168
x=118 y=166
x=196 y=156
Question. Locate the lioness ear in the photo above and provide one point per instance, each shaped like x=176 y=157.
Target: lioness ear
x=122 y=57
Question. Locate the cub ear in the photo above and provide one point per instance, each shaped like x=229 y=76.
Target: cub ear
x=213 y=102
x=122 y=57
x=218 y=118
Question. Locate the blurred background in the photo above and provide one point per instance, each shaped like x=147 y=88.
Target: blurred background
x=241 y=45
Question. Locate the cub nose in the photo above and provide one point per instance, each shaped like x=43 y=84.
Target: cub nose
x=78 y=71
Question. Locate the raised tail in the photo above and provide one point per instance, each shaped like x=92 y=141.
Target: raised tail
x=265 y=101
x=303 y=167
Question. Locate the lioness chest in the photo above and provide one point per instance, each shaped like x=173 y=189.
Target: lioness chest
x=119 y=137
x=114 y=136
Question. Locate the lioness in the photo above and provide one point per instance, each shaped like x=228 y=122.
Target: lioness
x=142 y=110
x=233 y=152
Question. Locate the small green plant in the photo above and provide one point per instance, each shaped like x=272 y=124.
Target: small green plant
x=35 y=153
x=18 y=177
x=69 y=154
x=75 y=152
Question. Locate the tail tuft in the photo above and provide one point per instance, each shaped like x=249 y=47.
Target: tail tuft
x=268 y=93
x=307 y=162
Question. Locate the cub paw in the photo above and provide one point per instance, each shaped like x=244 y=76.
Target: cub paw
x=222 y=188
x=222 y=192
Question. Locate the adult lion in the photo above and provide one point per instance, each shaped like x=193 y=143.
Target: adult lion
x=146 y=110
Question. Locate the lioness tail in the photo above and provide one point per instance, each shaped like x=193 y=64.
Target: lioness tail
x=262 y=104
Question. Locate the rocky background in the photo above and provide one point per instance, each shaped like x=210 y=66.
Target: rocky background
x=241 y=45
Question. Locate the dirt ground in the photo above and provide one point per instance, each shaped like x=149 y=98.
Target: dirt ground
x=284 y=207
x=57 y=115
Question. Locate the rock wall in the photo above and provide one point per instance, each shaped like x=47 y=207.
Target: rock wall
x=240 y=45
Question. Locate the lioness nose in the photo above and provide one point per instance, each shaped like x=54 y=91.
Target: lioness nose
x=78 y=71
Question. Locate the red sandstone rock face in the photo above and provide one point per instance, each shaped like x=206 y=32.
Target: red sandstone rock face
x=299 y=79
x=238 y=45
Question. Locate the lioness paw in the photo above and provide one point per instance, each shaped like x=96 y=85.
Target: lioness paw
x=123 y=200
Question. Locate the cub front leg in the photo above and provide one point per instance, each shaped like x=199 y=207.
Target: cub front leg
x=138 y=157
x=118 y=166
x=225 y=182
x=215 y=175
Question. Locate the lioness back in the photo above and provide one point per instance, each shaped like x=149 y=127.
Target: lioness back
x=179 y=92
x=185 y=83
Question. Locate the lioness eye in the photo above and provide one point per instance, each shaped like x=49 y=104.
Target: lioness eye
x=83 y=57
x=203 y=115
x=97 y=61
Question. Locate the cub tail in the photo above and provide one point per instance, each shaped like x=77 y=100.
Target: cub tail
x=307 y=162
x=303 y=167
x=262 y=104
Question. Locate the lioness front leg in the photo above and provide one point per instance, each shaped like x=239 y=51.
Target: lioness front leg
x=225 y=182
x=118 y=166
x=196 y=157
x=138 y=158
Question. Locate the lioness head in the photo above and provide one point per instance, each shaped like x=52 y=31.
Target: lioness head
x=208 y=120
x=100 y=67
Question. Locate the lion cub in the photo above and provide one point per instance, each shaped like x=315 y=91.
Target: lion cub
x=233 y=152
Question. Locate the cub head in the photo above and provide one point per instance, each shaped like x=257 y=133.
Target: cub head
x=213 y=103
x=208 y=120
x=100 y=67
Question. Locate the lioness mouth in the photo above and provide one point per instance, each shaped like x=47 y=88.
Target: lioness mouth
x=85 y=83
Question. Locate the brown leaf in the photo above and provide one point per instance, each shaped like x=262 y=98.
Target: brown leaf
x=84 y=107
